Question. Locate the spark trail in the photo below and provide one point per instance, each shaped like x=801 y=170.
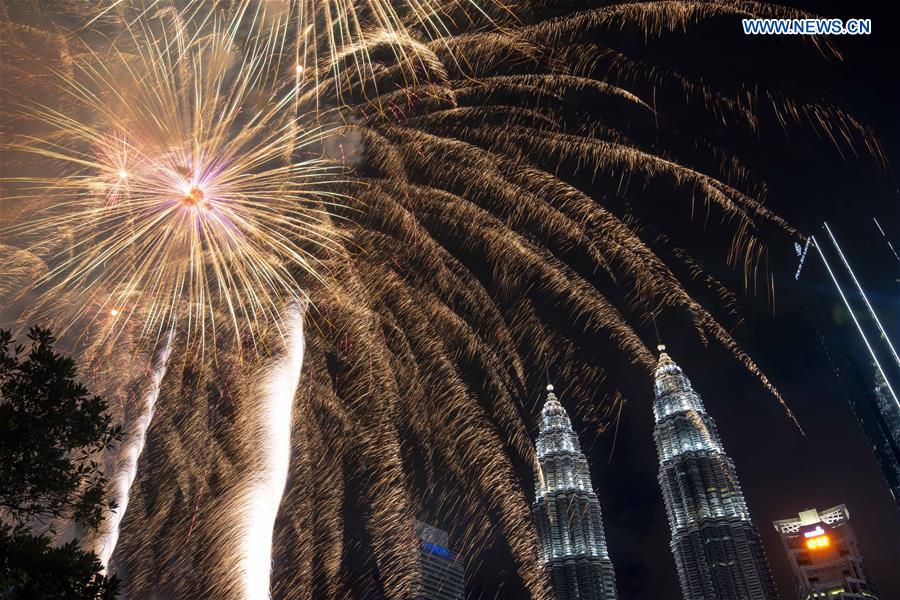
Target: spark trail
x=267 y=428
x=173 y=168
x=130 y=452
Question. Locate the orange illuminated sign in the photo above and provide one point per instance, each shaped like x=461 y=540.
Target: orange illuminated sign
x=815 y=543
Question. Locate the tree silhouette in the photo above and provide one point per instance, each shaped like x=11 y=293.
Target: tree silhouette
x=51 y=434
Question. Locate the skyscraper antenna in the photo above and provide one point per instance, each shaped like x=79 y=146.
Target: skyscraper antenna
x=659 y=345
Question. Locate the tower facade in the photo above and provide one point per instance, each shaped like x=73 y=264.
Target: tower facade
x=717 y=548
x=567 y=512
x=825 y=558
x=442 y=569
x=883 y=433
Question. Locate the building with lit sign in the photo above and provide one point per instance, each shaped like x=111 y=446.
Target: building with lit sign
x=567 y=512
x=825 y=558
x=717 y=548
x=442 y=569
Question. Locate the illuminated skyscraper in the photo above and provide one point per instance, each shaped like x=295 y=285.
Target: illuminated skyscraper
x=567 y=512
x=443 y=570
x=825 y=558
x=717 y=548
x=882 y=428
x=876 y=406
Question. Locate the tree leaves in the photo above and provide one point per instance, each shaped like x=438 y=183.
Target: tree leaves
x=51 y=433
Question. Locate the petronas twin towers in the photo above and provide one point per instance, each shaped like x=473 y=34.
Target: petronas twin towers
x=718 y=552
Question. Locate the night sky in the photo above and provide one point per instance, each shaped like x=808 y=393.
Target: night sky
x=804 y=340
x=782 y=471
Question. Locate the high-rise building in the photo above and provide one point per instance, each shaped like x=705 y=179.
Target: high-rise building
x=567 y=512
x=442 y=569
x=876 y=412
x=884 y=434
x=825 y=558
x=717 y=548
x=875 y=403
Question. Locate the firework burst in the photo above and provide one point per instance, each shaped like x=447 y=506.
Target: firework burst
x=187 y=184
x=336 y=42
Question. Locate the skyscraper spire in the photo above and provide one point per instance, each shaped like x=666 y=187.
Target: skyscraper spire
x=717 y=548
x=567 y=512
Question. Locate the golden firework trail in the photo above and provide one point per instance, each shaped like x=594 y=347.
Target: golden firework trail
x=187 y=184
x=484 y=232
x=337 y=42
x=249 y=513
x=124 y=469
x=190 y=195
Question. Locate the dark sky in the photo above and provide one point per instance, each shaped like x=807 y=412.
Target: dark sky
x=783 y=472
x=805 y=344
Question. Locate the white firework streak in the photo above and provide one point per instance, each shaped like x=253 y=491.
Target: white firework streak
x=270 y=433
x=127 y=463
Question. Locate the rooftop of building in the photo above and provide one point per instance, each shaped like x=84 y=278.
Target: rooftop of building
x=811 y=516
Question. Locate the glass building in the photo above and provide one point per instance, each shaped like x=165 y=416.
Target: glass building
x=876 y=411
x=882 y=428
x=567 y=512
x=825 y=558
x=442 y=570
x=717 y=548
